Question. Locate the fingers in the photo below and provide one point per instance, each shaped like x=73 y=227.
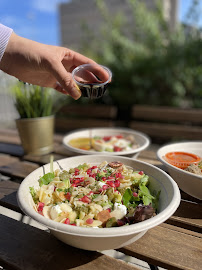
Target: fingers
x=59 y=88
x=79 y=59
x=86 y=76
x=66 y=84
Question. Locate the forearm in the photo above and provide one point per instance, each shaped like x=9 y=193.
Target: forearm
x=20 y=56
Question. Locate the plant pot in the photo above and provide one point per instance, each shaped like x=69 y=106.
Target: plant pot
x=36 y=134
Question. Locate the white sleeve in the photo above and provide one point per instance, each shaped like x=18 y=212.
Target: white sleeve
x=5 y=33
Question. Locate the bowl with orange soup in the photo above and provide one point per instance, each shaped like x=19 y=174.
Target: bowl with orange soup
x=183 y=162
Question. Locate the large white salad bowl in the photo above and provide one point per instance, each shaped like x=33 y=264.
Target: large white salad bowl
x=188 y=182
x=141 y=139
x=103 y=238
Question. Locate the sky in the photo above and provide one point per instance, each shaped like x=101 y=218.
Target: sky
x=39 y=19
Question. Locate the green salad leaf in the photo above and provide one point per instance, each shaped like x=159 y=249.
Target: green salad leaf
x=83 y=166
x=127 y=196
x=67 y=182
x=97 y=138
x=145 y=194
x=144 y=180
x=33 y=194
x=46 y=179
x=156 y=200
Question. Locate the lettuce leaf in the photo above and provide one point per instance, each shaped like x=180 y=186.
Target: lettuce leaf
x=145 y=194
x=127 y=196
x=46 y=179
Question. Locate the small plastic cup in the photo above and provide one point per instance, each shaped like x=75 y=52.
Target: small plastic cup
x=87 y=77
x=182 y=159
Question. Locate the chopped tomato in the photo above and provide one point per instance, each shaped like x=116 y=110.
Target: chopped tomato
x=117 y=149
x=68 y=196
x=107 y=138
x=85 y=199
x=40 y=208
x=67 y=221
x=119 y=136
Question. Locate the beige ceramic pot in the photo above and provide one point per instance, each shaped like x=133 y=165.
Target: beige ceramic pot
x=36 y=134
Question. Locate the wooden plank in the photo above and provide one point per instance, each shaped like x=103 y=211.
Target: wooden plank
x=21 y=217
x=17 y=168
x=39 y=250
x=41 y=160
x=150 y=152
x=58 y=138
x=167 y=113
x=6 y=159
x=8 y=192
x=188 y=197
x=181 y=230
x=94 y=111
x=67 y=124
x=168 y=130
x=171 y=249
x=189 y=216
x=62 y=151
x=9 y=136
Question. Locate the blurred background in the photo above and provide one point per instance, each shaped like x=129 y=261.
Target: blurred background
x=154 y=48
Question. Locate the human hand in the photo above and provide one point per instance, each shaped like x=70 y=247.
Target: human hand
x=45 y=65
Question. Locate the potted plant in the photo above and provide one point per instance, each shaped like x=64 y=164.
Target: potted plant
x=36 y=106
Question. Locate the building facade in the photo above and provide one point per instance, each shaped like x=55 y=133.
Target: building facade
x=75 y=14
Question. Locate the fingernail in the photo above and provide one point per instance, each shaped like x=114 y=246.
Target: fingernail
x=76 y=93
x=78 y=88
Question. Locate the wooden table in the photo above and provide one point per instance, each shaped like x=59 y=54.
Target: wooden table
x=175 y=244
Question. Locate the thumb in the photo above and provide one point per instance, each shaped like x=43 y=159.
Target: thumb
x=66 y=83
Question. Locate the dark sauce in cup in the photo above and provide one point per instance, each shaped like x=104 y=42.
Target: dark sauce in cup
x=92 y=90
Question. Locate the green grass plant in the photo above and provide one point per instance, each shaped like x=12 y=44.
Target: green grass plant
x=33 y=101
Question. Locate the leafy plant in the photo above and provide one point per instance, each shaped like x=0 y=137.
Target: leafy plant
x=150 y=63
x=34 y=101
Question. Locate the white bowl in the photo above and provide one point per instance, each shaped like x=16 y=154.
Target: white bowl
x=141 y=139
x=103 y=238
x=188 y=182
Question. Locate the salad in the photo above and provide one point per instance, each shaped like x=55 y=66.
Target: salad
x=195 y=168
x=115 y=143
x=107 y=195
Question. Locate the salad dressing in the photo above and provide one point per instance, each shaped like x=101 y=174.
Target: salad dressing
x=82 y=143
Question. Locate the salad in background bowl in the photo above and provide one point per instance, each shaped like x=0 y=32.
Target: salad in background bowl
x=141 y=194
x=106 y=141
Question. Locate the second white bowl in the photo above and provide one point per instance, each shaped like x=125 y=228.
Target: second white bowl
x=141 y=139
x=188 y=182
